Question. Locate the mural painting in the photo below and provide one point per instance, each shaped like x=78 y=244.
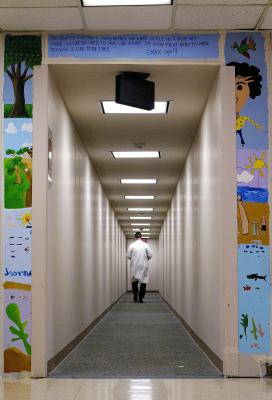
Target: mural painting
x=22 y=52
x=18 y=163
x=247 y=55
x=17 y=327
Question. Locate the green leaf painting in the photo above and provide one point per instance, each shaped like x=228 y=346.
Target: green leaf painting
x=13 y=313
x=244 y=323
x=254 y=329
x=17 y=180
x=22 y=52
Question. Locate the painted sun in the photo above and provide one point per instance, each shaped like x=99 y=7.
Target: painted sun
x=26 y=219
x=257 y=164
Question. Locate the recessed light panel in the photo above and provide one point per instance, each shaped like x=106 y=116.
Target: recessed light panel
x=140 y=197
x=140 y=224
x=139 y=217
x=136 y=154
x=147 y=209
x=143 y=229
x=139 y=181
x=111 y=107
x=103 y=3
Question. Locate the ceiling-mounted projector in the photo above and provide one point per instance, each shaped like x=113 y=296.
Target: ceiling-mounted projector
x=132 y=89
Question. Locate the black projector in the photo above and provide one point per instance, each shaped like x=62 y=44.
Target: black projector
x=132 y=89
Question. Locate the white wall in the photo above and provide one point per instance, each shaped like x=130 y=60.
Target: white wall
x=198 y=239
x=86 y=248
x=154 y=269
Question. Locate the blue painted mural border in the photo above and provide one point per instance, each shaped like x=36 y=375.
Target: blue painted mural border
x=134 y=46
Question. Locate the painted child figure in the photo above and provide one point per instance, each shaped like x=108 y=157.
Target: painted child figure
x=247 y=84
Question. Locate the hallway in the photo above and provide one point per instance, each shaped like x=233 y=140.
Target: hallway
x=137 y=341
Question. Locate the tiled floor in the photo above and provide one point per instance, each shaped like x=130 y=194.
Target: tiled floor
x=136 y=389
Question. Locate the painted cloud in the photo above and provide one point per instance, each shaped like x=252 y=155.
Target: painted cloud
x=11 y=128
x=245 y=177
x=27 y=127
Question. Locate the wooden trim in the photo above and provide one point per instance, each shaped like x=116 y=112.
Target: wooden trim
x=218 y=363
x=59 y=357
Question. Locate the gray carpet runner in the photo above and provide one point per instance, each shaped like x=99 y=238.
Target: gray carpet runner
x=137 y=341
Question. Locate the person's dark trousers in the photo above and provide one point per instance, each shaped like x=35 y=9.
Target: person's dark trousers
x=135 y=290
x=142 y=292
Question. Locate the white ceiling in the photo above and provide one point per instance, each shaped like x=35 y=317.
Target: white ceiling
x=41 y=15
x=187 y=86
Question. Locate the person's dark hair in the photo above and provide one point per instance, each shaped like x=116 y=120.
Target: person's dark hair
x=138 y=235
x=244 y=70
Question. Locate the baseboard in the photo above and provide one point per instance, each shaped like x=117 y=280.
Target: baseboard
x=218 y=363
x=54 y=361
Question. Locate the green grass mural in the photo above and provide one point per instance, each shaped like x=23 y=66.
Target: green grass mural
x=18 y=179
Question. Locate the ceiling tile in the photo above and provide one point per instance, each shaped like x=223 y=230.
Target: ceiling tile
x=38 y=3
x=20 y=19
x=217 y=17
x=267 y=23
x=118 y=18
x=221 y=2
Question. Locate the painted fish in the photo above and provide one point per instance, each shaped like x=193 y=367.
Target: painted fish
x=256 y=276
x=247 y=287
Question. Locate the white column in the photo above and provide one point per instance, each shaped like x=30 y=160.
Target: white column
x=39 y=220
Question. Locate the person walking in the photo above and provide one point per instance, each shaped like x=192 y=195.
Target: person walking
x=139 y=254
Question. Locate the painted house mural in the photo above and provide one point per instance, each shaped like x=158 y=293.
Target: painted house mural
x=22 y=52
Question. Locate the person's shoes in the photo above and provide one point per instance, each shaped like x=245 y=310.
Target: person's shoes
x=140 y=301
x=135 y=298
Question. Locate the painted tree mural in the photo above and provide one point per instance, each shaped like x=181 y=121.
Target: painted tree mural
x=21 y=54
x=18 y=178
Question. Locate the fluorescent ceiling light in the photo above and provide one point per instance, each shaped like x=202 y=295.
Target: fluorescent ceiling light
x=143 y=233
x=143 y=229
x=140 y=197
x=100 y=3
x=145 y=237
x=139 y=181
x=140 y=224
x=141 y=209
x=110 y=107
x=139 y=217
x=136 y=154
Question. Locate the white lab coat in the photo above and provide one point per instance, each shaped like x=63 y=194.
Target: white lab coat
x=139 y=253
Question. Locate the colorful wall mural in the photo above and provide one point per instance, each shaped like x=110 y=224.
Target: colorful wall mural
x=243 y=50
x=21 y=54
x=246 y=52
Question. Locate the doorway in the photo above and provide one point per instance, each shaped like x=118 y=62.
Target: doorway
x=81 y=229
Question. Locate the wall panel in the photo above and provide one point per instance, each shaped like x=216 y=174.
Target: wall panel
x=192 y=235
x=83 y=250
